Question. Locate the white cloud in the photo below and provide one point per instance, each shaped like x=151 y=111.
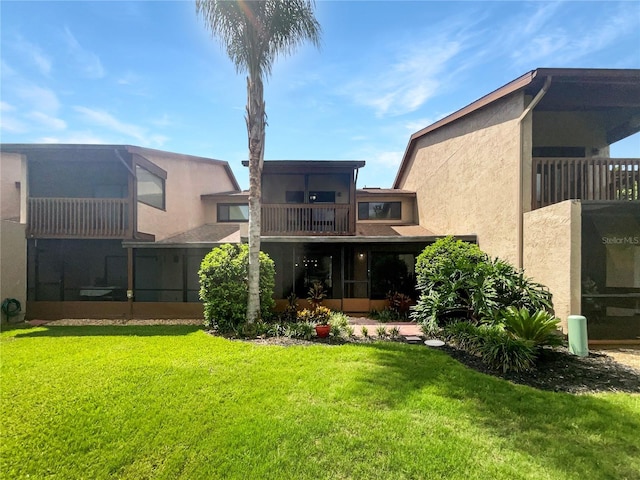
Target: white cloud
x=387 y=159
x=48 y=121
x=6 y=107
x=163 y=121
x=12 y=125
x=413 y=77
x=128 y=130
x=35 y=54
x=75 y=137
x=88 y=62
x=548 y=38
x=39 y=98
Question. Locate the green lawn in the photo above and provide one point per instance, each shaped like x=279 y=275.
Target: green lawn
x=174 y=402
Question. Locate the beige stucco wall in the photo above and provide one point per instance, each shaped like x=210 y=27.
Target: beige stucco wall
x=10 y=173
x=465 y=177
x=552 y=253
x=13 y=262
x=408 y=207
x=186 y=181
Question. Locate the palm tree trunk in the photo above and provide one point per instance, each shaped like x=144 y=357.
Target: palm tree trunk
x=255 y=119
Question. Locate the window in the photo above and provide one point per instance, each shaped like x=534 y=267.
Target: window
x=150 y=188
x=322 y=197
x=233 y=212
x=379 y=211
x=296 y=196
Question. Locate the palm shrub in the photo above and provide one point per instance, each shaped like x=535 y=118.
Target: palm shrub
x=496 y=347
x=502 y=351
x=463 y=334
x=541 y=328
x=223 y=286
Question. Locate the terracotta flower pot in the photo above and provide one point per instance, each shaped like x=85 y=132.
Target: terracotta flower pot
x=322 y=331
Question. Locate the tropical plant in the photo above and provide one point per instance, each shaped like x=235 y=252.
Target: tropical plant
x=336 y=331
x=399 y=303
x=502 y=351
x=541 y=328
x=291 y=310
x=350 y=331
x=463 y=334
x=365 y=331
x=339 y=318
x=496 y=347
x=254 y=33
x=316 y=294
x=381 y=331
x=394 y=333
x=321 y=315
x=457 y=281
x=223 y=286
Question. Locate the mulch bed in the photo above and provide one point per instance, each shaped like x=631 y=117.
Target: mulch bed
x=560 y=371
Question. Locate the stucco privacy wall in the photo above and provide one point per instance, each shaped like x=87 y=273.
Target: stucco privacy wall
x=465 y=175
x=10 y=173
x=187 y=179
x=552 y=253
x=13 y=262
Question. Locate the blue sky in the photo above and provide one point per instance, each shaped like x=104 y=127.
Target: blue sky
x=148 y=73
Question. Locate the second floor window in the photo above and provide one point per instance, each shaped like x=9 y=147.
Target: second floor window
x=379 y=210
x=150 y=188
x=233 y=212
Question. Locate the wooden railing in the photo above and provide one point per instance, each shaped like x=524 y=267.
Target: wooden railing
x=79 y=217
x=306 y=219
x=557 y=179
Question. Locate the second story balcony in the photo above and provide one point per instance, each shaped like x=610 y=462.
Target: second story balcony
x=79 y=217
x=307 y=219
x=558 y=179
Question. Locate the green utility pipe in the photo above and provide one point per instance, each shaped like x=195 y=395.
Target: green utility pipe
x=578 y=338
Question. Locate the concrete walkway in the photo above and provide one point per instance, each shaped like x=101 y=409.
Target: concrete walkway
x=406 y=328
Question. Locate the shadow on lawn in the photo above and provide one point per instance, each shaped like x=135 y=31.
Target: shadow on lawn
x=109 y=331
x=583 y=435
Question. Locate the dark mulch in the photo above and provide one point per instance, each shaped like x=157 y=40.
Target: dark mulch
x=560 y=371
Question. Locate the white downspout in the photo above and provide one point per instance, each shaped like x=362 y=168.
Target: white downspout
x=531 y=106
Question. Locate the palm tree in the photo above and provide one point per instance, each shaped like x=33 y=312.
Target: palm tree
x=254 y=33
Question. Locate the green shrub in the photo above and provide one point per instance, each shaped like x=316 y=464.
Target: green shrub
x=394 y=333
x=303 y=330
x=541 y=328
x=365 y=331
x=223 y=286
x=306 y=330
x=381 y=331
x=497 y=348
x=463 y=334
x=339 y=318
x=350 y=331
x=336 y=331
x=502 y=351
x=456 y=280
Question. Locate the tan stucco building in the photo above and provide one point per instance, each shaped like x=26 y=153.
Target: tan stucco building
x=117 y=231
x=120 y=231
x=527 y=169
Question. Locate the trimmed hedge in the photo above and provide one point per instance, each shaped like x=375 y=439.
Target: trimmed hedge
x=224 y=288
